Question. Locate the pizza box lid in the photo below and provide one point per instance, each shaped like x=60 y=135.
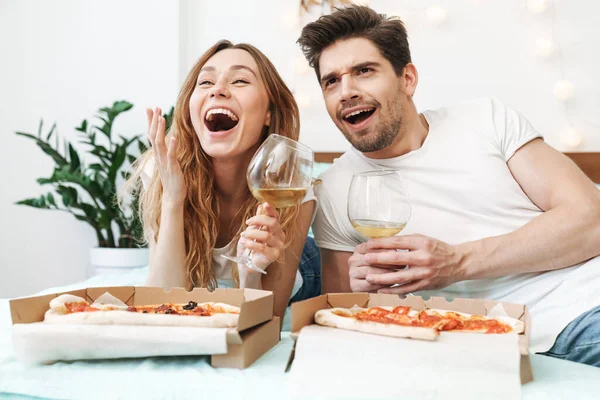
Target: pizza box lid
x=303 y=313
x=256 y=306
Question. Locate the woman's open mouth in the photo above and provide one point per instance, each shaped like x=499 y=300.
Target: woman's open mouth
x=220 y=120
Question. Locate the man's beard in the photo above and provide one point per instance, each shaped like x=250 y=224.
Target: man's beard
x=382 y=135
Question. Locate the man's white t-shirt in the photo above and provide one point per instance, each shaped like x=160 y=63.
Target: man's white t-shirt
x=462 y=190
x=222 y=267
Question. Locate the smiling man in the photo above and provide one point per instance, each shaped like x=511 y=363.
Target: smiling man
x=496 y=212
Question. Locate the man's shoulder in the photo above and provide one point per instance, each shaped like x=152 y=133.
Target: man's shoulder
x=336 y=179
x=467 y=115
x=344 y=166
x=468 y=107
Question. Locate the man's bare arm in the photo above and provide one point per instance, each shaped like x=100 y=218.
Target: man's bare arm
x=334 y=267
x=568 y=232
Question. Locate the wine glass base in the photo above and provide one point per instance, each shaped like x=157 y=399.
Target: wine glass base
x=246 y=261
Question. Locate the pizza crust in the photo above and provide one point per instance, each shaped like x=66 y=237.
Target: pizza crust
x=57 y=304
x=327 y=317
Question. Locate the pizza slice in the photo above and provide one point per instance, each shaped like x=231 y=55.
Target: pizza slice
x=70 y=309
x=402 y=321
x=376 y=320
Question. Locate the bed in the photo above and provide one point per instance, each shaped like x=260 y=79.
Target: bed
x=187 y=377
x=588 y=162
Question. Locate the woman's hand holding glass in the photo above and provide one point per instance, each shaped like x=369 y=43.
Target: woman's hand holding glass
x=263 y=237
x=279 y=175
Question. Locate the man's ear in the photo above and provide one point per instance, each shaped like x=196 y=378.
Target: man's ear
x=411 y=79
x=268 y=118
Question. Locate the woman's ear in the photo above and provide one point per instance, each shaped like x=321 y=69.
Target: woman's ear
x=268 y=118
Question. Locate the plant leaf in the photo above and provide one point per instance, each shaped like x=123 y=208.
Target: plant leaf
x=68 y=194
x=117 y=162
x=96 y=167
x=39 y=132
x=142 y=147
x=51 y=132
x=50 y=199
x=45 y=181
x=39 y=202
x=83 y=126
x=46 y=148
x=75 y=163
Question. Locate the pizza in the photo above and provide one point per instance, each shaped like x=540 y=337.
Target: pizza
x=70 y=309
x=402 y=321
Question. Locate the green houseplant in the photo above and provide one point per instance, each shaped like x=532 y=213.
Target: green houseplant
x=86 y=185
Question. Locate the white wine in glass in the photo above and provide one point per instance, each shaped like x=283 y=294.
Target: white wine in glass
x=280 y=173
x=279 y=198
x=377 y=229
x=378 y=204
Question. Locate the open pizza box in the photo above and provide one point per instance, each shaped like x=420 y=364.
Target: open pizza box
x=303 y=314
x=257 y=330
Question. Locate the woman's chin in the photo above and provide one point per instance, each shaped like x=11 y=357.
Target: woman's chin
x=222 y=150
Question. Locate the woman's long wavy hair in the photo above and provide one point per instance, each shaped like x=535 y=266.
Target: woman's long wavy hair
x=201 y=209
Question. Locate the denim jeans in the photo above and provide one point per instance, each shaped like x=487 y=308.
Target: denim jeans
x=580 y=340
x=310 y=269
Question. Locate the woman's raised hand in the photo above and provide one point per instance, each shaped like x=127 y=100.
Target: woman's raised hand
x=171 y=176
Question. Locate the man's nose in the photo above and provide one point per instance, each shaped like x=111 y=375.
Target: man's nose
x=348 y=91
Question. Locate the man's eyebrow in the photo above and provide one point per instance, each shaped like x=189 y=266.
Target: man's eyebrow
x=327 y=77
x=354 y=68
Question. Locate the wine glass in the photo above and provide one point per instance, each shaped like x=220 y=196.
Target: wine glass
x=280 y=173
x=378 y=204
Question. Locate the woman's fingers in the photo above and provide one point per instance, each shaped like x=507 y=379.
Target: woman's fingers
x=161 y=146
x=263 y=237
x=265 y=222
x=171 y=157
x=252 y=245
x=153 y=121
x=268 y=209
x=256 y=234
x=149 y=115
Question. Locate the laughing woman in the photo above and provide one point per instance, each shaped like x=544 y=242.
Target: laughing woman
x=195 y=202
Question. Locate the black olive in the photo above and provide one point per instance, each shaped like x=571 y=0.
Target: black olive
x=190 y=306
x=168 y=311
x=144 y=312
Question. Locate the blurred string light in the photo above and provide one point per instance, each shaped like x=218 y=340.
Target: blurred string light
x=563 y=89
x=436 y=15
x=303 y=100
x=538 y=6
x=546 y=48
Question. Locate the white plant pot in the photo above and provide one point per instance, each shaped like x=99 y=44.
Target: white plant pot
x=104 y=260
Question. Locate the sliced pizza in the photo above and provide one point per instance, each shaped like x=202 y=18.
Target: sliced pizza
x=70 y=309
x=402 y=321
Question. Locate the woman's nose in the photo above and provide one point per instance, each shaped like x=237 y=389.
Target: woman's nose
x=220 y=90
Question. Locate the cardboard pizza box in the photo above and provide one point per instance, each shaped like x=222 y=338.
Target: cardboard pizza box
x=257 y=331
x=303 y=314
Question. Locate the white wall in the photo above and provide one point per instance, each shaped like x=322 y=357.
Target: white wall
x=484 y=48
x=61 y=60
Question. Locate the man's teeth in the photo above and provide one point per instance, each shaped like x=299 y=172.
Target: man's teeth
x=210 y=114
x=358 y=112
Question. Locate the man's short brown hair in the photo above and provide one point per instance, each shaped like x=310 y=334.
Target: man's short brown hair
x=387 y=34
